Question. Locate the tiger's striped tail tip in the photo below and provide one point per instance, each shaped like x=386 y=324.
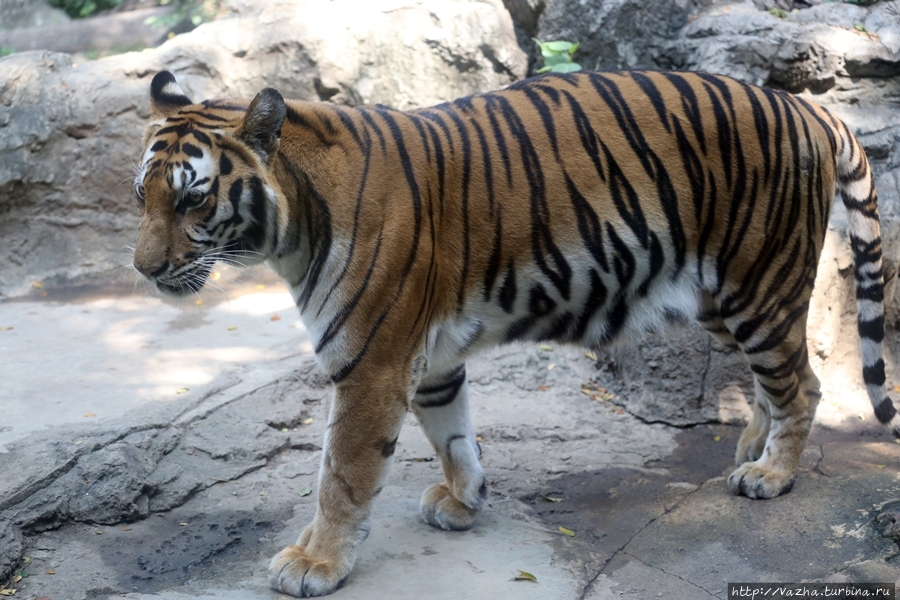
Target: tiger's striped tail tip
x=887 y=414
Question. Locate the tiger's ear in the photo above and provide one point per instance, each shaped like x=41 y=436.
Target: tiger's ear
x=261 y=127
x=165 y=96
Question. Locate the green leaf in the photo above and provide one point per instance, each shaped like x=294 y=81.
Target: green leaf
x=525 y=576
x=566 y=68
x=306 y=491
x=551 y=498
x=574 y=48
x=558 y=46
x=566 y=531
x=547 y=70
x=556 y=59
x=546 y=347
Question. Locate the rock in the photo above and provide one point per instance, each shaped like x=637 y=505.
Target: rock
x=10 y=548
x=16 y=14
x=708 y=383
x=619 y=34
x=129 y=29
x=69 y=133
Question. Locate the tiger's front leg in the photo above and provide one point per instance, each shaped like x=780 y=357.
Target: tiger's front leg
x=364 y=423
x=441 y=405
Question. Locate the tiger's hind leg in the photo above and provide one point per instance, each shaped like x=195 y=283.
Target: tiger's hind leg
x=753 y=438
x=787 y=397
x=441 y=405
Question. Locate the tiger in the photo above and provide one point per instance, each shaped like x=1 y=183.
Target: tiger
x=586 y=207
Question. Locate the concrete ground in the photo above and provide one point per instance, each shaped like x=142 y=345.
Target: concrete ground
x=157 y=451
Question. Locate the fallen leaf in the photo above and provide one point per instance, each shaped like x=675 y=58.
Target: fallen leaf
x=879 y=466
x=308 y=421
x=862 y=416
x=306 y=491
x=566 y=531
x=123 y=527
x=90 y=415
x=543 y=388
x=284 y=430
x=182 y=390
x=7 y=592
x=896 y=387
x=183 y=524
x=586 y=391
x=551 y=366
x=98 y=531
x=232 y=327
x=17 y=579
x=219 y=480
x=546 y=347
x=590 y=355
x=38 y=285
x=275 y=317
x=525 y=576
x=25 y=560
x=717 y=438
x=49 y=571
x=6 y=328
x=478 y=439
x=551 y=498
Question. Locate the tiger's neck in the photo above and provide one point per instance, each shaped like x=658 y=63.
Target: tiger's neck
x=304 y=171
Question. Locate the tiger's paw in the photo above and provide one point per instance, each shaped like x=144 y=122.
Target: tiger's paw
x=440 y=509
x=293 y=571
x=754 y=481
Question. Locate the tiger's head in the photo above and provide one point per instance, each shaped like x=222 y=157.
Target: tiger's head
x=203 y=187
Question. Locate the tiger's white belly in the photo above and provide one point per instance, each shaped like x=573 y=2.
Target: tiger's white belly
x=481 y=325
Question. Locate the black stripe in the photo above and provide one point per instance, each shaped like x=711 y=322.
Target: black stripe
x=586 y=134
x=872 y=330
x=507 y=295
x=885 y=411
x=589 y=225
x=499 y=138
x=874 y=374
x=539 y=306
x=447 y=390
x=192 y=150
x=337 y=322
x=690 y=106
x=387 y=447
x=656 y=99
x=875 y=293
x=493 y=266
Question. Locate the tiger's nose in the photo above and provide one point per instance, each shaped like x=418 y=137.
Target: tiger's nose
x=152 y=271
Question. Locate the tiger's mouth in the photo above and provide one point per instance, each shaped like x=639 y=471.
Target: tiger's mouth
x=184 y=282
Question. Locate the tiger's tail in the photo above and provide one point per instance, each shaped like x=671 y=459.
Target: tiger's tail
x=856 y=184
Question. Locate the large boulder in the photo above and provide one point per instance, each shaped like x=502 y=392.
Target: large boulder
x=70 y=133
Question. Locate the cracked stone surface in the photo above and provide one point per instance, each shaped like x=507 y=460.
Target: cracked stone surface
x=187 y=495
